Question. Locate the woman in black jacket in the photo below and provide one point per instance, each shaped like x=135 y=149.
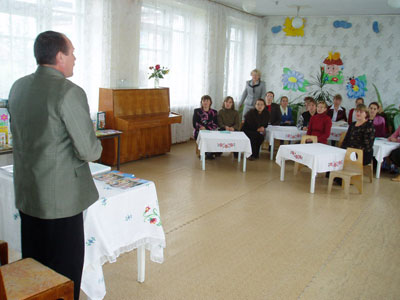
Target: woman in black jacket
x=256 y=120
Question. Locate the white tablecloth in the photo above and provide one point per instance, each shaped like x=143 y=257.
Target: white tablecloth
x=336 y=132
x=383 y=148
x=287 y=133
x=318 y=157
x=121 y=220
x=223 y=141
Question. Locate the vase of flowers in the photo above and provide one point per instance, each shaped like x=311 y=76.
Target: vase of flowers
x=157 y=73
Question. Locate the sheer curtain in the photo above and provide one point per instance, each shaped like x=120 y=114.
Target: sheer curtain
x=83 y=21
x=193 y=39
x=209 y=48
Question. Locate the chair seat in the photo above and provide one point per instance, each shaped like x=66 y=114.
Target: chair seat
x=346 y=173
x=29 y=279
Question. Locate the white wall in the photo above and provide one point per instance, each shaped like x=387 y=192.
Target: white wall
x=362 y=52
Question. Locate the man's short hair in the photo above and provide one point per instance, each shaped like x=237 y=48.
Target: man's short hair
x=47 y=45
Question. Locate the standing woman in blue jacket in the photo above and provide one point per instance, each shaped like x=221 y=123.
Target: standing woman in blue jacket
x=255 y=89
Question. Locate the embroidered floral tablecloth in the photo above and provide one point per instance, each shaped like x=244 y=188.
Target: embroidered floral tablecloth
x=120 y=221
x=336 y=132
x=318 y=157
x=287 y=133
x=223 y=141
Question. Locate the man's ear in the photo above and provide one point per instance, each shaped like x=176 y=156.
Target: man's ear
x=59 y=58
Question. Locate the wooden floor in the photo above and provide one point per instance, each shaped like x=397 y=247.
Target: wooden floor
x=235 y=235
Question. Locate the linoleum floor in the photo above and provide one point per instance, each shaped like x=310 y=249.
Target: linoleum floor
x=235 y=235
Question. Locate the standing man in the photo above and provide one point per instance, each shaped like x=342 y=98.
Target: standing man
x=53 y=141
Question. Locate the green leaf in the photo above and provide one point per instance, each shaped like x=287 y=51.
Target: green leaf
x=302 y=89
x=285 y=88
x=285 y=70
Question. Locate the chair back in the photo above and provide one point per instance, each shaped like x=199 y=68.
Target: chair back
x=341 y=139
x=357 y=163
x=313 y=138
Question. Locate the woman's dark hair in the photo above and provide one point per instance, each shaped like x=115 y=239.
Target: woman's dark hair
x=308 y=98
x=284 y=97
x=47 y=45
x=374 y=103
x=262 y=100
x=270 y=92
x=226 y=100
x=311 y=100
x=323 y=103
x=205 y=97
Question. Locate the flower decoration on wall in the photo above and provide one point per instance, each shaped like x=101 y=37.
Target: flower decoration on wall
x=276 y=29
x=342 y=24
x=356 y=87
x=293 y=80
x=292 y=31
x=333 y=69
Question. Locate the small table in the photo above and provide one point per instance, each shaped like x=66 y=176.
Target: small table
x=382 y=148
x=110 y=134
x=120 y=221
x=336 y=132
x=287 y=133
x=223 y=141
x=318 y=157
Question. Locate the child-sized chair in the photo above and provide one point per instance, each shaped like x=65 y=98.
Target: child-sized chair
x=352 y=172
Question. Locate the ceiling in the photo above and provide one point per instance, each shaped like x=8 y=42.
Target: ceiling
x=315 y=7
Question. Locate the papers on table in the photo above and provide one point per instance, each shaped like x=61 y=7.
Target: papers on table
x=120 y=180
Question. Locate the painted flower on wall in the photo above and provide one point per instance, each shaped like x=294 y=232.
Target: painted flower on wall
x=356 y=87
x=293 y=80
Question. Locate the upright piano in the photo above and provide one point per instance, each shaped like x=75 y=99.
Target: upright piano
x=144 y=117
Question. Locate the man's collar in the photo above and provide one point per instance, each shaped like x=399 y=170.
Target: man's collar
x=45 y=70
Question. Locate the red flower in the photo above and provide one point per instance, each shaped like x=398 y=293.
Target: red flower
x=153 y=220
x=335 y=79
x=352 y=82
x=157 y=67
x=147 y=209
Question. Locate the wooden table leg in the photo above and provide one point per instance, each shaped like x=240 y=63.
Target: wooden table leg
x=283 y=169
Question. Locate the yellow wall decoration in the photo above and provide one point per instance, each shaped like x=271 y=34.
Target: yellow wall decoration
x=290 y=30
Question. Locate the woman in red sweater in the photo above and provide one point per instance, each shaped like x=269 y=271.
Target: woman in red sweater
x=320 y=124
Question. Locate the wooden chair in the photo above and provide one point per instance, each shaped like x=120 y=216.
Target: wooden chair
x=304 y=138
x=369 y=170
x=352 y=173
x=30 y=280
x=341 y=139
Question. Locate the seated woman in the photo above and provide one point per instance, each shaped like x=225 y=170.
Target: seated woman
x=378 y=121
x=395 y=154
x=286 y=111
x=228 y=117
x=205 y=118
x=256 y=120
x=305 y=117
x=361 y=134
x=352 y=112
x=273 y=109
x=336 y=112
x=320 y=124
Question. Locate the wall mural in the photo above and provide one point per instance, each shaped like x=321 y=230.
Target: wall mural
x=342 y=24
x=333 y=69
x=290 y=30
x=293 y=80
x=356 y=87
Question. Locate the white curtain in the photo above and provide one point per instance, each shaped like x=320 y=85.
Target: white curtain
x=83 y=21
x=194 y=40
x=209 y=48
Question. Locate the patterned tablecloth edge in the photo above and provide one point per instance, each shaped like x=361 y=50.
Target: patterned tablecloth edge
x=149 y=243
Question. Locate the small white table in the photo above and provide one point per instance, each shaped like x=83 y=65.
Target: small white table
x=382 y=148
x=336 y=132
x=223 y=141
x=120 y=221
x=287 y=133
x=318 y=157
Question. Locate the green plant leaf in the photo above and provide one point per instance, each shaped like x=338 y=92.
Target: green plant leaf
x=285 y=70
x=285 y=88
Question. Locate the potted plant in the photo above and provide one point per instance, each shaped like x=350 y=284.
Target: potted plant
x=321 y=92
